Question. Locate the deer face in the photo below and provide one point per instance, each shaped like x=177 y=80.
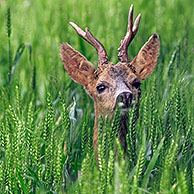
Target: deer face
x=111 y=84
x=115 y=85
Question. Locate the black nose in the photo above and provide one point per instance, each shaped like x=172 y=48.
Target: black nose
x=126 y=98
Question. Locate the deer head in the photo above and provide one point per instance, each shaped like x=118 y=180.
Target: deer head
x=111 y=83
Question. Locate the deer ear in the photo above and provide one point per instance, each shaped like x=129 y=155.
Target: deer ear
x=145 y=62
x=76 y=65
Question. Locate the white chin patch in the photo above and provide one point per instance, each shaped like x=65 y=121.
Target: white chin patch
x=121 y=104
x=123 y=108
x=133 y=101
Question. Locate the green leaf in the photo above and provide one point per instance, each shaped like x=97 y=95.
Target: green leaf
x=151 y=164
x=18 y=56
x=23 y=186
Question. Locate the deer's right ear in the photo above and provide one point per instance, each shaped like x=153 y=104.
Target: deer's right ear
x=76 y=65
x=145 y=62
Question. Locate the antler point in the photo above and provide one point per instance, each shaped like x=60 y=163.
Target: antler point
x=71 y=23
x=131 y=32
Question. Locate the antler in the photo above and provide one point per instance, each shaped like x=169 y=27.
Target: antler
x=87 y=35
x=131 y=32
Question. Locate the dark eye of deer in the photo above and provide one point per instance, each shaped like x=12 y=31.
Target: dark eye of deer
x=101 y=88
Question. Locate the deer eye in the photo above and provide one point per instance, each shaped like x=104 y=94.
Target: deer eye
x=101 y=88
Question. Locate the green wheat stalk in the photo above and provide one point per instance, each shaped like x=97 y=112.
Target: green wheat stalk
x=57 y=167
x=9 y=168
x=167 y=168
x=102 y=140
x=2 y=167
x=110 y=168
x=139 y=169
x=89 y=143
x=49 y=149
x=132 y=136
x=9 y=43
x=28 y=132
x=146 y=117
x=167 y=124
x=84 y=137
x=115 y=124
x=123 y=176
x=187 y=142
x=182 y=185
x=193 y=179
x=153 y=119
x=178 y=113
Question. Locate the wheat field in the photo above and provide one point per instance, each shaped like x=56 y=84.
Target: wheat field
x=46 y=119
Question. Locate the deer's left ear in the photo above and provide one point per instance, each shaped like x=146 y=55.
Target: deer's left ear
x=76 y=65
x=145 y=62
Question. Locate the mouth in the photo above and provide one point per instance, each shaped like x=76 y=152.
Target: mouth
x=122 y=107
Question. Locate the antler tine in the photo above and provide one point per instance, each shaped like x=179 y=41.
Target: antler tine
x=87 y=35
x=131 y=32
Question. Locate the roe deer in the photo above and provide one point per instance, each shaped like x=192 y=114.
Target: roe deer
x=111 y=82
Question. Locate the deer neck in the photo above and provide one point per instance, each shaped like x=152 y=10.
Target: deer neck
x=123 y=128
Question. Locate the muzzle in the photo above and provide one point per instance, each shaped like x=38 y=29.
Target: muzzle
x=124 y=100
